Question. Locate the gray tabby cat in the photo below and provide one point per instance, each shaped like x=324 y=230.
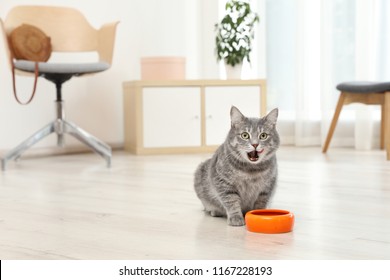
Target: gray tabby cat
x=241 y=175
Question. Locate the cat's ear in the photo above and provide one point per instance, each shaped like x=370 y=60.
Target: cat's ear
x=272 y=116
x=236 y=116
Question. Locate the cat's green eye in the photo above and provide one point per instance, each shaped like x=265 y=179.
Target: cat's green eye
x=263 y=136
x=245 y=135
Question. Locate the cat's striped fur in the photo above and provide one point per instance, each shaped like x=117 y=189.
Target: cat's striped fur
x=242 y=173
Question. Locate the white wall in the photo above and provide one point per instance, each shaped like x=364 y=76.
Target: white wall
x=147 y=28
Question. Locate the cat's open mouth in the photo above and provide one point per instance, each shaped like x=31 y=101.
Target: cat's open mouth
x=254 y=155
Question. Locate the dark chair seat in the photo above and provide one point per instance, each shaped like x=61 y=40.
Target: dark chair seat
x=363 y=87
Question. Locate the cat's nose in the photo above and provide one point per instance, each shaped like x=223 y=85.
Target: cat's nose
x=255 y=145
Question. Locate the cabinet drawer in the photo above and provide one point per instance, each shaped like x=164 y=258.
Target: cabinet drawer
x=171 y=117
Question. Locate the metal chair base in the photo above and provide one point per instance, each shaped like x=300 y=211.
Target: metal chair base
x=61 y=127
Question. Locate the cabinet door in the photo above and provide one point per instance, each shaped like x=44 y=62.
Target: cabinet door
x=171 y=117
x=219 y=100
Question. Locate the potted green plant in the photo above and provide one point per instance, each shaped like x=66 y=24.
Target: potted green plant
x=234 y=35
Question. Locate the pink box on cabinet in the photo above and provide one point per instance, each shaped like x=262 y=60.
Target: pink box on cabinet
x=163 y=68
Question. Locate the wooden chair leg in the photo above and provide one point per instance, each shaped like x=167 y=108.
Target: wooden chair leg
x=334 y=122
x=383 y=122
x=387 y=123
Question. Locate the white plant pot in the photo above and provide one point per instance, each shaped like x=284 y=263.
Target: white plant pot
x=233 y=73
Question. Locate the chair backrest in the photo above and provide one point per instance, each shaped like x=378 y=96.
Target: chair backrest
x=67 y=27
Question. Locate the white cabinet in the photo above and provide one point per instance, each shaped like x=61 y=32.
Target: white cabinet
x=219 y=100
x=185 y=116
x=171 y=117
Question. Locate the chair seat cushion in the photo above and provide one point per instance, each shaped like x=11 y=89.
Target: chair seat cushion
x=364 y=87
x=62 y=68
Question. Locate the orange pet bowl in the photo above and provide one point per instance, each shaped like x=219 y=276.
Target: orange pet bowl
x=269 y=221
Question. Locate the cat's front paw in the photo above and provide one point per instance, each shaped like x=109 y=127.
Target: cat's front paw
x=236 y=220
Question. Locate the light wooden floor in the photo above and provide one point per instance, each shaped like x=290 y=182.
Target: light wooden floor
x=144 y=207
